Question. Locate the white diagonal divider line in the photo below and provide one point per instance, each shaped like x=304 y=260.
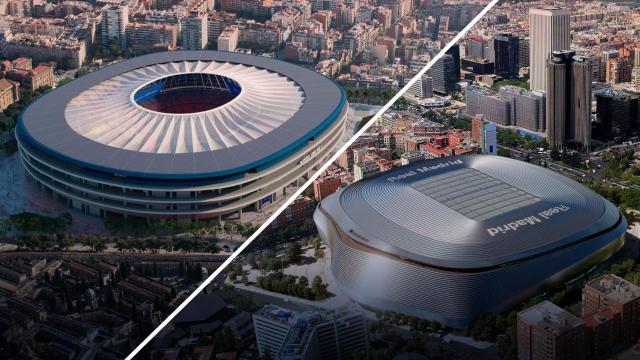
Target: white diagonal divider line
x=308 y=183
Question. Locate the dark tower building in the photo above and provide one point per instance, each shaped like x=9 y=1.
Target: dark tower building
x=582 y=76
x=454 y=51
x=617 y=114
x=443 y=74
x=558 y=96
x=506 y=48
x=568 y=106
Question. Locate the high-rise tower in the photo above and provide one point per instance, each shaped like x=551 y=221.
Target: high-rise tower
x=506 y=47
x=548 y=31
x=568 y=105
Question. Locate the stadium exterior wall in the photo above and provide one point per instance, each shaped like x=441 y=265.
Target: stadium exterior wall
x=99 y=190
x=454 y=297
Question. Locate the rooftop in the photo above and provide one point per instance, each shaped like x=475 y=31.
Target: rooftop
x=489 y=211
x=551 y=317
x=615 y=288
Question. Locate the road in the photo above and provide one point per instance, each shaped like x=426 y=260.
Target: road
x=173 y=256
x=579 y=174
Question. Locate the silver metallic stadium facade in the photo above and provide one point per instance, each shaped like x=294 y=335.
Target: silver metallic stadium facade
x=139 y=137
x=453 y=238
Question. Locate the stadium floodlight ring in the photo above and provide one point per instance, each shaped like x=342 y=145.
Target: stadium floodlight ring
x=181 y=131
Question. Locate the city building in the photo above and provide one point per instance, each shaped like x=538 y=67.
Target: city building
x=113 y=24
x=32 y=79
x=9 y=93
x=152 y=36
x=422 y=88
x=500 y=236
x=635 y=73
x=443 y=75
x=603 y=332
x=549 y=31
x=325 y=186
x=617 y=114
x=523 y=52
x=364 y=169
x=493 y=107
x=454 y=51
x=324 y=335
x=527 y=108
x=194 y=31
x=568 y=103
x=478 y=66
x=485 y=134
x=172 y=162
x=619 y=295
x=228 y=39
x=618 y=70
x=506 y=48
x=546 y=331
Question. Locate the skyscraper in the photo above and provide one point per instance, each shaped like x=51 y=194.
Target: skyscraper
x=454 y=51
x=635 y=74
x=443 y=75
x=523 y=52
x=568 y=105
x=506 y=47
x=582 y=76
x=113 y=24
x=548 y=31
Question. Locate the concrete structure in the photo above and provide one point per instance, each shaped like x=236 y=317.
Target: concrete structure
x=189 y=134
x=548 y=31
x=450 y=239
x=194 y=31
x=546 y=331
x=113 y=24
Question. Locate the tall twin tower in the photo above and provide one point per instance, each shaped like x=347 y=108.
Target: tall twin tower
x=564 y=77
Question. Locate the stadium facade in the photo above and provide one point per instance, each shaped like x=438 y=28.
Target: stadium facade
x=450 y=239
x=186 y=134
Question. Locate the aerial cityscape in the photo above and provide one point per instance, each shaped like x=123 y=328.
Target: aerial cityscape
x=491 y=212
x=144 y=141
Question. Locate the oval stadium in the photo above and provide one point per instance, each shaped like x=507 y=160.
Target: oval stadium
x=184 y=134
x=450 y=239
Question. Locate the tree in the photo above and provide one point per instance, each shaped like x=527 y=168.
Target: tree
x=504 y=152
x=319 y=289
x=294 y=253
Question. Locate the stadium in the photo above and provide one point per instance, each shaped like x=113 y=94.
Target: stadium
x=450 y=239
x=184 y=134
